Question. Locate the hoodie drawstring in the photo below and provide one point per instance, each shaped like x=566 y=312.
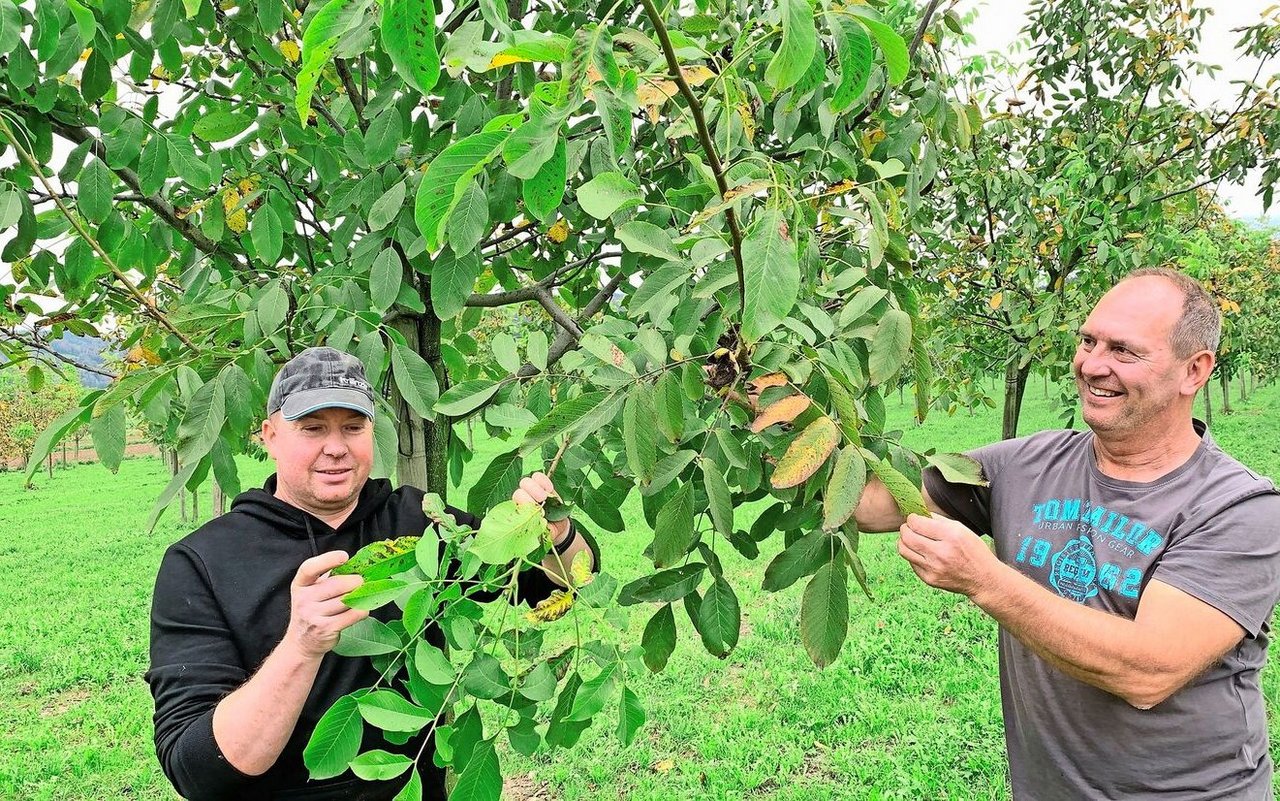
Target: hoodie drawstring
x=311 y=535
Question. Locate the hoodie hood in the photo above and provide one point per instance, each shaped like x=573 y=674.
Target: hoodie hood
x=262 y=504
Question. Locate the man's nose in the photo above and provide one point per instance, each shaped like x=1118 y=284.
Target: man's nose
x=335 y=444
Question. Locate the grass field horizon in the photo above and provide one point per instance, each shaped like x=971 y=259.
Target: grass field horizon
x=910 y=710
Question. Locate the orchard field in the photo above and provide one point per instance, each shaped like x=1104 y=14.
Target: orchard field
x=910 y=710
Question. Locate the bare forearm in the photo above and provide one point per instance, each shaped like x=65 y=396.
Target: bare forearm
x=877 y=510
x=1104 y=650
x=557 y=565
x=253 y=724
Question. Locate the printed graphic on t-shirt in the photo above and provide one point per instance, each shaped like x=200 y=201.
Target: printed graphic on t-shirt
x=1079 y=549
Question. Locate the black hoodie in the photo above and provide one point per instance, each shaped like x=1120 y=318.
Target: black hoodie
x=221 y=606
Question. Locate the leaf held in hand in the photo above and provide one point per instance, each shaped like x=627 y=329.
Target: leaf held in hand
x=379 y=560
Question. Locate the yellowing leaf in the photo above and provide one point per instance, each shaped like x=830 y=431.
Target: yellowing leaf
x=289 y=49
x=506 y=59
x=771 y=380
x=996 y=300
x=783 y=411
x=551 y=608
x=580 y=570
x=238 y=221
x=559 y=232
x=807 y=453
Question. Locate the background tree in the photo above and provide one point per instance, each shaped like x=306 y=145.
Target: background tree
x=1081 y=169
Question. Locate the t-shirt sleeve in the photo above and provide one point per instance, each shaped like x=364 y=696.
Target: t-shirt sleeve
x=194 y=665
x=1231 y=561
x=968 y=503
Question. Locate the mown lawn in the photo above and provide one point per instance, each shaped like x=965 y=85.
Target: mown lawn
x=909 y=711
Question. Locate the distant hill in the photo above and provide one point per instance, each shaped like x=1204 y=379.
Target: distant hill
x=86 y=350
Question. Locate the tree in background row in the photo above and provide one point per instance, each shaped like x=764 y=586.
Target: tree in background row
x=1078 y=167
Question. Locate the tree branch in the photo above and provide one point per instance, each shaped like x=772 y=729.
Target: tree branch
x=704 y=137
x=524 y=294
x=36 y=344
x=147 y=303
x=922 y=27
x=353 y=92
x=562 y=318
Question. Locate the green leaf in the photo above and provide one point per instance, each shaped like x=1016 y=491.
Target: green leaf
x=824 y=613
x=608 y=193
x=373 y=594
x=844 y=488
x=905 y=494
x=96 y=79
x=659 y=640
x=896 y=56
x=509 y=531
x=378 y=765
x=799 y=40
x=368 y=637
x=669 y=401
x=319 y=42
x=630 y=716
x=481 y=779
x=594 y=694
x=409 y=37
x=267 y=235
x=957 y=468
x=387 y=207
x=10 y=208
x=469 y=220
x=412 y=790
x=536 y=349
x=658 y=286
x=562 y=418
x=221 y=125
x=384 y=134
x=434 y=666
x=95 y=190
x=272 y=306
x=663 y=587
x=448 y=177
x=385 y=278
x=108 y=432
x=532 y=145
x=484 y=677
x=803 y=557
x=452 y=280
x=461 y=399
x=171 y=490
x=495 y=485
x=415 y=380
x=673 y=532
x=335 y=741
x=544 y=192
x=390 y=711
x=505 y=352
x=890 y=346
x=719 y=618
x=539 y=684
x=206 y=413
x=854 y=53
x=772 y=274
x=639 y=432
x=719 y=498
x=638 y=236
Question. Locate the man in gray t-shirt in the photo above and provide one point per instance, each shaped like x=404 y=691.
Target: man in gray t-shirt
x=1135 y=568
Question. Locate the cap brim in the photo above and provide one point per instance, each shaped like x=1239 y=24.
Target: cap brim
x=301 y=404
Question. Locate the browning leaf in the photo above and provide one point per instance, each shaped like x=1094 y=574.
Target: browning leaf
x=806 y=454
x=783 y=411
x=551 y=608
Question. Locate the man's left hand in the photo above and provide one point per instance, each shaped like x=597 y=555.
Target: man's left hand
x=946 y=554
x=537 y=488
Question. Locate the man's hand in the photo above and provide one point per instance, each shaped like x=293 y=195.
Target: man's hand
x=947 y=555
x=537 y=488
x=317 y=614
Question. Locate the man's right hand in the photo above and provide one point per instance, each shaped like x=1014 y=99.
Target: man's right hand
x=317 y=614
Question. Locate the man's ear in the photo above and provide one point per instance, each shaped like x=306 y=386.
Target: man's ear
x=268 y=435
x=1199 y=368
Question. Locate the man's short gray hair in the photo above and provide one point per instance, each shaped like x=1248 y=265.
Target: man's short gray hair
x=1200 y=326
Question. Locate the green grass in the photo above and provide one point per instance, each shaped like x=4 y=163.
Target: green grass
x=909 y=711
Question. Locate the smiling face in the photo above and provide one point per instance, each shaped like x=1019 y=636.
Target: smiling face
x=322 y=459
x=1129 y=378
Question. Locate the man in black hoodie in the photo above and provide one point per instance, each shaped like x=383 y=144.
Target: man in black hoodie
x=245 y=612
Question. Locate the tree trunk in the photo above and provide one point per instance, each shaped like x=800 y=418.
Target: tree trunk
x=50 y=464
x=1046 y=385
x=423 y=457
x=1015 y=384
x=64 y=453
x=219 y=504
x=1244 y=388
x=195 y=507
x=1225 y=380
x=1208 y=406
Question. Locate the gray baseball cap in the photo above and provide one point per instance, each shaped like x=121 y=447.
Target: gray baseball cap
x=320 y=378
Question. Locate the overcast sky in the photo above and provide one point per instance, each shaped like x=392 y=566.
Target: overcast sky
x=999 y=22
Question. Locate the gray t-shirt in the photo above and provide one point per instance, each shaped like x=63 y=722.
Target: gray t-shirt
x=1210 y=528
